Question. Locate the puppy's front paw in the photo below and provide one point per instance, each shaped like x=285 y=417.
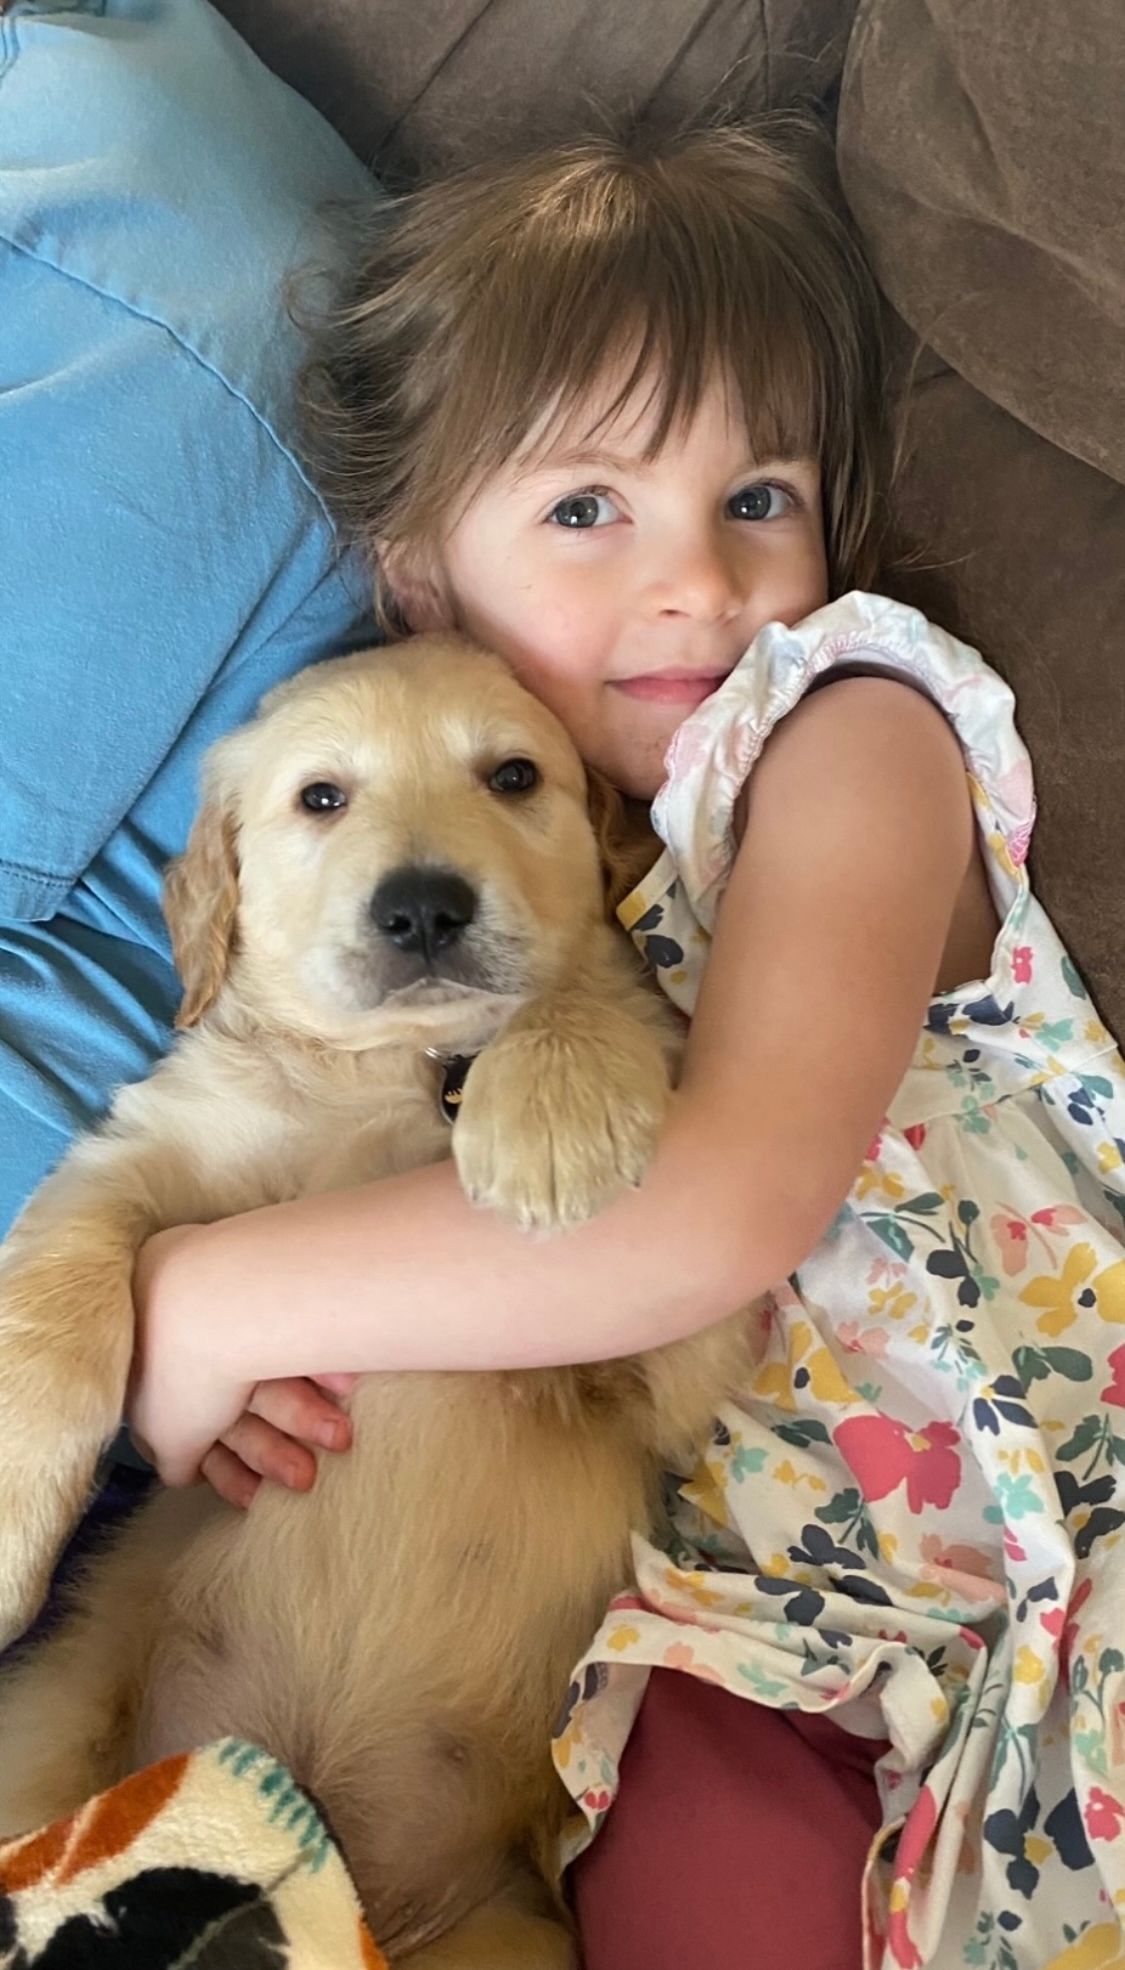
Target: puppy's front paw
x=555 y=1122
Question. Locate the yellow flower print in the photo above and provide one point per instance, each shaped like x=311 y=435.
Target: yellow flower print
x=826 y=1381
x=1098 y=1948
x=1109 y=1157
x=706 y=1490
x=622 y=1638
x=894 y=1301
x=890 y=1186
x=1029 y=1667
x=787 y=1473
x=1060 y=1294
x=776 y=1381
x=681 y=1581
x=1110 y=1289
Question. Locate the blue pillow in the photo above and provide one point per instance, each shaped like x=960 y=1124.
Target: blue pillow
x=163 y=557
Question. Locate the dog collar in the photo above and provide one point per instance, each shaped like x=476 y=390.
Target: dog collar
x=454 y=1068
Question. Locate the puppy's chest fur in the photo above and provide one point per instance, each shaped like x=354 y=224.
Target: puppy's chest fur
x=288 y=1125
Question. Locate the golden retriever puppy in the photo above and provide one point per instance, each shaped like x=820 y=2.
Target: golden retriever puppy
x=393 y=864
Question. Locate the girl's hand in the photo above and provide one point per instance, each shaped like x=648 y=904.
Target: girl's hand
x=189 y=1414
x=273 y=1437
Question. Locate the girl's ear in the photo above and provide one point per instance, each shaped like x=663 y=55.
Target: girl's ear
x=416 y=595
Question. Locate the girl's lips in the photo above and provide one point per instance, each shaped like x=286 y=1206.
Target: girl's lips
x=671 y=687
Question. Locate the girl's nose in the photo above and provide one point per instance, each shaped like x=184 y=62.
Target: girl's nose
x=697 y=581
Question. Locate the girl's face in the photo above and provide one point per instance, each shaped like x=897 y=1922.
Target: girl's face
x=623 y=592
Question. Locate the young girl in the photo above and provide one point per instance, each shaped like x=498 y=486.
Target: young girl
x=619 y=412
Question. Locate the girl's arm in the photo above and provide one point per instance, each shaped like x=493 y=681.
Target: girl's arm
x=857 y=834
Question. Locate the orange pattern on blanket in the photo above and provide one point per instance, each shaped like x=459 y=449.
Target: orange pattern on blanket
x=24 y=1862
x=118 y=1816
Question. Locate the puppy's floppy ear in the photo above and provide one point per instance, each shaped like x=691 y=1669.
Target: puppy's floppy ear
x=201 y=893
x=625 y=854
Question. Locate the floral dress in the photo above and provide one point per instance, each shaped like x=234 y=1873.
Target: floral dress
x=913 y=1517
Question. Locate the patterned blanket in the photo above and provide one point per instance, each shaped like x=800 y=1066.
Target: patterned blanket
x=215 y=1860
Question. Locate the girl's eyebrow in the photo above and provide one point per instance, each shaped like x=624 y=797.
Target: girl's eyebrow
x=574 y=458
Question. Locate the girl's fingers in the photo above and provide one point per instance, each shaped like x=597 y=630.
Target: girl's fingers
x=335 y=1384
x=229 y=1476
x=271 y=1453
x=270 y=1439
x=302 y=1411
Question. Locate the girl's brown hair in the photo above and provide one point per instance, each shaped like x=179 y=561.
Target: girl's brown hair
x=482 y=304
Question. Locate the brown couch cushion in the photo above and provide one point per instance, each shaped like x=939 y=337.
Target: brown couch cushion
x=413 y=84
x=982 y=149
x=983 y=152
x=1021 y=550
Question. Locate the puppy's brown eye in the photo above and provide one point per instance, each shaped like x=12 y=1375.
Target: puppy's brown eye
x=322 y=797
x=514 y=776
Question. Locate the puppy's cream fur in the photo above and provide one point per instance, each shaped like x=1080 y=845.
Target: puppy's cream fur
x=402 y=1636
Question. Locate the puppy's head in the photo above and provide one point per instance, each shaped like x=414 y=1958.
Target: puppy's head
x=405 y=835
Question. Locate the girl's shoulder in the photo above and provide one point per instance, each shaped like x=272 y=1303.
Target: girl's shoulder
x=671 y=915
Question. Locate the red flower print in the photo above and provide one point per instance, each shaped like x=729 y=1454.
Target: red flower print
x=597 y=1802
x=915 y=1134
x=1021 y=964
x=913 y=1842
x=899 y=1943
x=1056 y=1216
x=1070 y=1630
x=1104 y=1816
x=1115 y=1392
x=1011 y=1236
x=883 y=1454
x=916 y=1835
x=1012 y=1232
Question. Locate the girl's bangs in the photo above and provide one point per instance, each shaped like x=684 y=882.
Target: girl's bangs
x=640 y=328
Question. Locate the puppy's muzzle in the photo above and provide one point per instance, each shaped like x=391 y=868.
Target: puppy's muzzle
x=423 y=912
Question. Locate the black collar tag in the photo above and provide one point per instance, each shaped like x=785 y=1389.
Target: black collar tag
x=453 y=1083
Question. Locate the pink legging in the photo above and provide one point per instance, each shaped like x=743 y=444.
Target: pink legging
x=738 y=1838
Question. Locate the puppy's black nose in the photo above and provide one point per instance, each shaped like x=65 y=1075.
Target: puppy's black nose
x=423 y=910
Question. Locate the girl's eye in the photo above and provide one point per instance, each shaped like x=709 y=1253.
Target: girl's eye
x=581 y=511
x=323 y=797
x=514 y=776
x=757 y=502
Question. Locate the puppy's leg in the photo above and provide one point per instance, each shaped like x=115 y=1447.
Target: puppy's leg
x=562 y=1112
x=66 y=1341
x=500 y=1936
x=69 y=1706
x=66 y=1338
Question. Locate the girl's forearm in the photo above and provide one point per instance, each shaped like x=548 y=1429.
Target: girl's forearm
x=406 y=1274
